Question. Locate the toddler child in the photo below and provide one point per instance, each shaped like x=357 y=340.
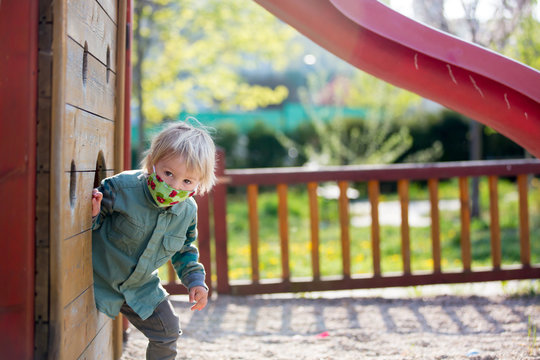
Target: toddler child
x=143 y=218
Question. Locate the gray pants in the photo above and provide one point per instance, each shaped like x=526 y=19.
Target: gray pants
x=162 y=329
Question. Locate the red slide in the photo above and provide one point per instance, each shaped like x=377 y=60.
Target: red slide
x=479 y=83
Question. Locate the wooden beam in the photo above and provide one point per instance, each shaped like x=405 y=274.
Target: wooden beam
x=373 y=191
x=344 y=222
x=524 y=232
x=403 y=189
x=494 y=226
x=252 y=194
x=433 y=185
x=465 y=224
x=399 y=280
x=283 y=231
x=314 y=221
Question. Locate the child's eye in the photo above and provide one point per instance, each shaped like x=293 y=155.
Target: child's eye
x=168 y=173
x=187 y=181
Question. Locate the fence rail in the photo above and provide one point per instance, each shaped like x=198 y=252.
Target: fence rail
x=401 y=174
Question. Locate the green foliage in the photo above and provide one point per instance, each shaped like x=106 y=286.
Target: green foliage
x=193 y=53
x=378 y=137
x=263 y=147
x=525 y=44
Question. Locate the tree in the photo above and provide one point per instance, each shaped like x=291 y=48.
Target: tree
x=377 y=137
x=190 y=54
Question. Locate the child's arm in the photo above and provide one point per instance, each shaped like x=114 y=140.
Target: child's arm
x=97 y=196
x=190 y=271
x=102 y=203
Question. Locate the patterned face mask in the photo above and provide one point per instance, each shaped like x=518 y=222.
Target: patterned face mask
x=164 y=194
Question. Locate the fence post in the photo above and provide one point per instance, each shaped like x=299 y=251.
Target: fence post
x=220 y=226
x=203 y=228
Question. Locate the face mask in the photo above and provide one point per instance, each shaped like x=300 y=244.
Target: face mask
x=164 y=194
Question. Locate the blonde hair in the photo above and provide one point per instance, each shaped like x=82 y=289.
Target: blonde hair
x=193 y=144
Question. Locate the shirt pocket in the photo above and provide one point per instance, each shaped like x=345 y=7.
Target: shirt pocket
x=126 y=233
x=170 y=245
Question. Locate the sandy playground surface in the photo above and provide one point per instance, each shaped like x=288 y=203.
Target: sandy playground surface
x=476 y=322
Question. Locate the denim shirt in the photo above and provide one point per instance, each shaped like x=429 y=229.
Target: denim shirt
x=132 y=237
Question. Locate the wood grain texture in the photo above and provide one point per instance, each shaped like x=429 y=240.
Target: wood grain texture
x=76 y=205
x=110 y=7
x=87 y=84
x=85 y=136
x=89 y=23
x=82 y=321
x=77 y=273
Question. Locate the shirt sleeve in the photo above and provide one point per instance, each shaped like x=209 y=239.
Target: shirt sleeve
x=186 y=261
x=107 y=203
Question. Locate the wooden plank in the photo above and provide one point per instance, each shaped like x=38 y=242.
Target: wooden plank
x=403 y=190
x=42 y=209
x=101 y=346
x=373 y=191
x=203 y=239
x=393 y=172
x=57 y=179
x=82 y=321
x=465 y=224
x=43 y=136
x=87 y=86
x=283 y=231
x=494 y=226
x=118 y=336
x=252 y=194
x=433 y=185
x=220 y=228
x=361 y=282
x=314 y=222
x=76 y=203
x=344 y=221
x=77 y=273
x=110 y=7
x=89 y=23
x=86 y=136
x=524 y=232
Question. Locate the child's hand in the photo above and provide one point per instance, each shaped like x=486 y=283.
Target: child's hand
x=96 y=202
x=199 y=296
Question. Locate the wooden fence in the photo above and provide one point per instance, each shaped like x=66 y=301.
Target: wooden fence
x=401 y=174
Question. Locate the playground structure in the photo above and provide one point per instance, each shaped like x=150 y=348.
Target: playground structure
x=64 y=81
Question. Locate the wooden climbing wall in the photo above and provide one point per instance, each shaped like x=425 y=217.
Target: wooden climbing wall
x=80 y=141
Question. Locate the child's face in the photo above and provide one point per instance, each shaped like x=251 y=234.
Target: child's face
x=173 y=171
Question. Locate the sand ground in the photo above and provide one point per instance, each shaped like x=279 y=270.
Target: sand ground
x=478 y=322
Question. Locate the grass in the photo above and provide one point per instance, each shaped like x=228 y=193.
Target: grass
x=361 y=263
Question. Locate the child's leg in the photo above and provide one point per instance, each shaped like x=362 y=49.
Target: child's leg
x=162 y=329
